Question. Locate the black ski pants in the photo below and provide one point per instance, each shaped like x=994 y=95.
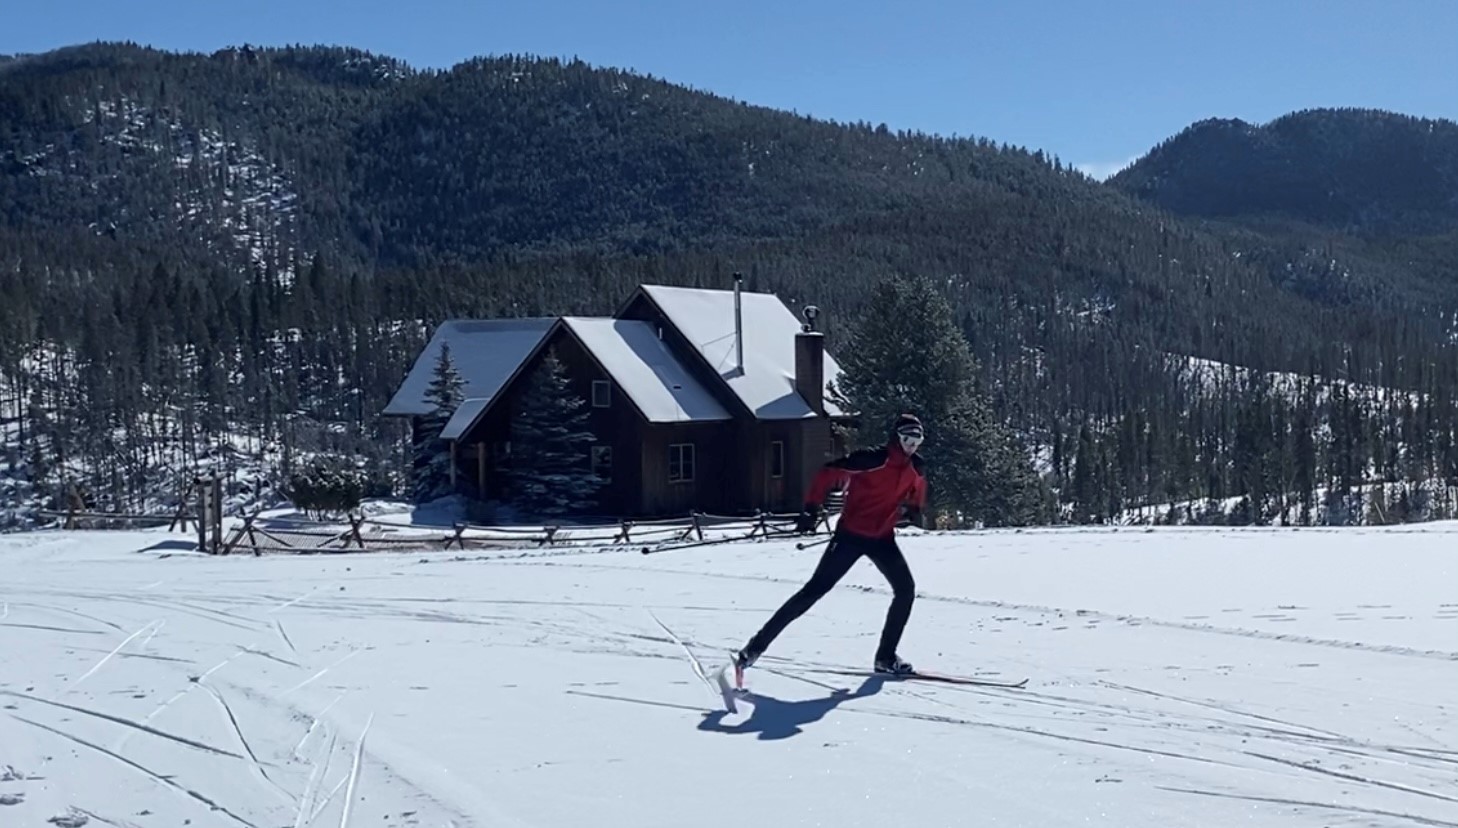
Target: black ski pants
x=842 y=553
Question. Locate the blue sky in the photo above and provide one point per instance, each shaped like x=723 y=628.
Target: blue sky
x=1095 y=83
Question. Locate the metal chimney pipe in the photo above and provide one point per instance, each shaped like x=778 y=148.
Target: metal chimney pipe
x=738 y=323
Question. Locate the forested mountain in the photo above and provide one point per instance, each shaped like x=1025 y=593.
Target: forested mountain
x=1366 y=171
x=251 y=246
x=1372 y=194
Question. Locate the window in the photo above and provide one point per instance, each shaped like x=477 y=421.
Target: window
x=602 y=462
x=681 y=463
x=601 y=393
x=777 y=458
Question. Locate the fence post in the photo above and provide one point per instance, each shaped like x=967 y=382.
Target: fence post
x=204 y=512
x=73 y=504
x=763 y=526
x=458 y=537
x=217 y=514
x=209 y=490
x=179 y=519
x=354 y=524
x=245 y=530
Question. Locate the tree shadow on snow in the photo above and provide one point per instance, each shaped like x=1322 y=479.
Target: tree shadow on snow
x=774 y=718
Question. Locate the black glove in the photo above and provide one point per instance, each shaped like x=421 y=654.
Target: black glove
x=809 y=516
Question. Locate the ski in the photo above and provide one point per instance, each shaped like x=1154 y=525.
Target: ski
x=977 y=682
x=727 y=688
x=720 y=679
x=924 y=675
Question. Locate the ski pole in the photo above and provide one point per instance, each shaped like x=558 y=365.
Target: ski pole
x=693 y=544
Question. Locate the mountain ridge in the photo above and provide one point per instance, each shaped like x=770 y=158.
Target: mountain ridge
x=1353 y=169
x=262 y=238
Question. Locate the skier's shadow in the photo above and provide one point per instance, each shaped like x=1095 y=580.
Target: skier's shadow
x=774 y=718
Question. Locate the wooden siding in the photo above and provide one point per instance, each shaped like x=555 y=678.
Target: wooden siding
x=712 y=488
x=807 y=446
x=618 y=426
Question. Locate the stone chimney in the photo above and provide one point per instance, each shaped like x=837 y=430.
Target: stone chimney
x=810 y=362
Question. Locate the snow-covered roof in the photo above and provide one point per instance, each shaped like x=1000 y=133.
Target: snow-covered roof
x=485 y=351
x=643 y=367
x=767 y=383
x=466 y=414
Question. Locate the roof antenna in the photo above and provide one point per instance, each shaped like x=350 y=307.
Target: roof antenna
x=738 y=323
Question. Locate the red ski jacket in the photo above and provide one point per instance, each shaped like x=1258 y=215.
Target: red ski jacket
x=880 y=482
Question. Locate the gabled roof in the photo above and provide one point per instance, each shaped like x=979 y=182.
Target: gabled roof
x=644 y=369
x=630 y=352
x=485 y=351
x=766 y=385
x=466 y=414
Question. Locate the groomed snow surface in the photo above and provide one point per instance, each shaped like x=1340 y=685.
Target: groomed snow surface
x=1179 y=677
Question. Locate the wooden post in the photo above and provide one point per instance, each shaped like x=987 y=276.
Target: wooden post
x=179 y=519
x=216 y=517
x=354 y=524
x=481 y=469
x=209 y=514
x=73 y=504
x=246 y=530
x=204 y=494
x=457 y=537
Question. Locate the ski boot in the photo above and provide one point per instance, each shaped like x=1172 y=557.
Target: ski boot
x=743 y=659
x=893 y=666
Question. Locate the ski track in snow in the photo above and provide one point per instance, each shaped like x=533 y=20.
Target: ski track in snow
x=89 y=673
x=503 y=689
x=254 y=765
x=154 y=775
x=1444 y=655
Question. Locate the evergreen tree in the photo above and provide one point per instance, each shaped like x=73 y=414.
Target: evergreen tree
x=1085 y=495
x=431 y=459
x=906 y=353
x=552 y=444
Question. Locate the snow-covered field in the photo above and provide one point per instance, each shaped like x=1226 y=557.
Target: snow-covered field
x=1179 y=677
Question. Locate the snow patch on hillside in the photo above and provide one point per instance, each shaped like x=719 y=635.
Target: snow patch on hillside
x=222 y=185
x=1213 y=375
x=258 y=204
x=382 y=69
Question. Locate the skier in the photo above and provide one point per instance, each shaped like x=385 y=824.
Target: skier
x=887 y=488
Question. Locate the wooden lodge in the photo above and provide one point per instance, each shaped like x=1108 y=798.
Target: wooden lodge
x=701 y=400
